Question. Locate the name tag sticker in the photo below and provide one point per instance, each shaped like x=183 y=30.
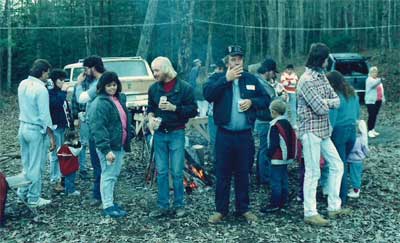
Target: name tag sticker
x=250 y=87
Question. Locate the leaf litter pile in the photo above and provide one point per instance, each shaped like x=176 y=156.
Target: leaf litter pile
x=375 y=215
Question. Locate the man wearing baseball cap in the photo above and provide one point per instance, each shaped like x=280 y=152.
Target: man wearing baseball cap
x=237 y=95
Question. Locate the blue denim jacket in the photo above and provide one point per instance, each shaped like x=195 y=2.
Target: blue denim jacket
x=33 y=100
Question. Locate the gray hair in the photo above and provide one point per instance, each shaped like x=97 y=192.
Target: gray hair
x=166 y=66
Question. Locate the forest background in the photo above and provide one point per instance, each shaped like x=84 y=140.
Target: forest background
x=64 y=31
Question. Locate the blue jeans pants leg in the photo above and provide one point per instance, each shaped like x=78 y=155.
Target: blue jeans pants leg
x=264 y=164
x=84 y=136
x=344 y=138
x=356 y=169
x=94 y=158
x=69 y=182
x=279 y=185
x=55 y=173
x=109 y=176
x=33 y=156
x=169 y=148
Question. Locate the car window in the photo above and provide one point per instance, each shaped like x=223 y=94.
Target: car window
x=127 y=68
x=76 y=73
x=330 y=62
x=352 y=68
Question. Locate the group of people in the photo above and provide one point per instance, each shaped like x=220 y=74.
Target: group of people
x=311 y=119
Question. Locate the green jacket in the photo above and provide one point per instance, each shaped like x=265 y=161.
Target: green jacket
x=105 y=124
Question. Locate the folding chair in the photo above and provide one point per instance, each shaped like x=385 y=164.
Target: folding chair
x=14 y=182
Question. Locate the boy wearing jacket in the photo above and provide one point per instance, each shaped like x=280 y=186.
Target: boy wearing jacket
x=281 y=152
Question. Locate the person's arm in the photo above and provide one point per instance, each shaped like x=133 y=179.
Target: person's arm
x=215 y=86
x=98 y=126
x=313 y=98
x=188 y=107
x=273 y=141
x=333 y=113
x=372 y=83
x=88 y=95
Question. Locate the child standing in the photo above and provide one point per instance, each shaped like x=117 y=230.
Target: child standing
x=68 y=157
x=282 y=147
x=355 y=158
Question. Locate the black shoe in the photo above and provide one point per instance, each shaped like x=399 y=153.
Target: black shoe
x=95 y=202
x=160 y=213
x=270 y=209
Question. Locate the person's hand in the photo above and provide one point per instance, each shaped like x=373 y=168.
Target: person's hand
x=245 y=104
x=167 y=106
x=81 y=78
x=110 y=157
x=66 y=86
x=52 y=144
x=76 y=123
x=234 y=73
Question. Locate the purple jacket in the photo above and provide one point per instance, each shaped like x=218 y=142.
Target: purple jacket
x=359 y=152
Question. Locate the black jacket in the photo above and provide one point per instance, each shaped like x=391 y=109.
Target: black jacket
x=181 y=95
x=218 y=90
x=105 y=124
x=59 y=116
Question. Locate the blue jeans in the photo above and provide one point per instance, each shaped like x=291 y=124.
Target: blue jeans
x=169 y=150
x=109 y=176
x=313 y=147
x=69 y=182
x=235 y=151
x=212 y=131
x=33 y=157
x=263 y=162
x=94 y=158
x=279 y=185
x=356 y=169
x=84 y=137
x=344 y=138
x=293 y=109
x=55 y=173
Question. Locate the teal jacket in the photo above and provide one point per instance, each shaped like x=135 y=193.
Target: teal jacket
x=347 y=113
x=105 y=124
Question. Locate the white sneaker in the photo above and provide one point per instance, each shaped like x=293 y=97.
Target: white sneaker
x=375 y=132
x=371 y=134
x=76 y=193
x=40 y=202
x=353 y=194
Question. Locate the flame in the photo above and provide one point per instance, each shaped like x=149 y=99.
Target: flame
x=199 y=173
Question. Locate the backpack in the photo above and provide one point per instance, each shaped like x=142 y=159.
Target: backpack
x=68 y=162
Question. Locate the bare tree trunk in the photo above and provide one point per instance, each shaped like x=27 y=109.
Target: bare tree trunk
x=38 y=33
x=272 y=34
x=300 y=24
x=389 y=22
x=249 y=33
x=185 y=50
x=9 y=47
x=88 y=21
x=147 y=30
x=261 y=36
x=281 y=33
x=110 y=30
x=209 y=58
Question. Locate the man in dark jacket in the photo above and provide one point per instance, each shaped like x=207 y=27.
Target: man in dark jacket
x=172 y=100
x=236 y=95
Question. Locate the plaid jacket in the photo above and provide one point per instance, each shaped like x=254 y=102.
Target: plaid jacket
x=315 y=97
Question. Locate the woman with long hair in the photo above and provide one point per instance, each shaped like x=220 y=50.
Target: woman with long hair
x=343 y=121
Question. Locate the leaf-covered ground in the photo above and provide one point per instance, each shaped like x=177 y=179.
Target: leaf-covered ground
x=375 y=215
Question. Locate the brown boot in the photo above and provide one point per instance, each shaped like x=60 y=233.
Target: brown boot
x=339 y=213
x=215 y=218
x=59 y=187
x=250 y=217
x=317 y=220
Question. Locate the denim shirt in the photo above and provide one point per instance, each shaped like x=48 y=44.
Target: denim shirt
x=33 y=100
x=238 y=120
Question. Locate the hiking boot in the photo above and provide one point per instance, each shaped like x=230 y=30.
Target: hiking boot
x=270 y=209
x=113 y=212
x=339 y=212
x=59 y=187
x=120 y=209
x=316 y=220
x=180 y=212
x=354 y=193
x=160 y=213
x=39 y=203
x=250 y=217
x=215 y=218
